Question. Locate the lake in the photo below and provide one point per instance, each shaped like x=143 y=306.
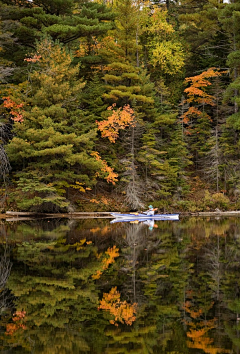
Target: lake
x=88 y=286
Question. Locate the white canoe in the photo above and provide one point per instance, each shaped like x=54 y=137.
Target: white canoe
x=140 y=216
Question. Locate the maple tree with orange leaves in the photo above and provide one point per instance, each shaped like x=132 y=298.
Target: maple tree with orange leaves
x=120 y=118
x=122 y=311
x=109 y=258
x=15 y=108
x=197 y=95
x=111 y=175
x=18 y=323
x=34 y=59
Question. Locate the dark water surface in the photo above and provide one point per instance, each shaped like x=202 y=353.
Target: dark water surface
x=88 y=286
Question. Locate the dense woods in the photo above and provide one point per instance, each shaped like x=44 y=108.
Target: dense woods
x=113 y=104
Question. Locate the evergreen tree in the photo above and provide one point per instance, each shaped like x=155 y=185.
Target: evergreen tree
x=206 y=42
x=229 y=17
x=52 y=146
x=66 y=21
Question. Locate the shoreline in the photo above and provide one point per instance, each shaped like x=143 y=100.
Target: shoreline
x=14 y=215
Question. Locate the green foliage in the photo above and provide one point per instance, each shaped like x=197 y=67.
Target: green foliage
x=66 y=62
x=64 y=21
x=51 y=138
x=32 y=194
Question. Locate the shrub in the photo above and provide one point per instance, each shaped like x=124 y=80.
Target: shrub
x=216 y=200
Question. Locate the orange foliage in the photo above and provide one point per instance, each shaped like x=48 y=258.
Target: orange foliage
x=188 y=307
x=200 y=80
x=102 y=200
x=34 y=59
x=110 y=254
x=17 y=324
x=200 y=340
x=191 y=112
x=94 y=201
x=122 y=311
x=101 y=231
x=15 y=109
x=197 y=94
x=199 y=328
x=111 y=175
x=119 y=119
x=81 y=52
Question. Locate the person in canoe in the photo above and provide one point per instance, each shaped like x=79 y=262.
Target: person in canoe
x=151 y=210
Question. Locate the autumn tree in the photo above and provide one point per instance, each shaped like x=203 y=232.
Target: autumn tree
x=121 y=311
x=64 y=280
x=197 y=119
x=165 y=50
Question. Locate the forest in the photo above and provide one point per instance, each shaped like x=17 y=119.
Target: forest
x=113 y=104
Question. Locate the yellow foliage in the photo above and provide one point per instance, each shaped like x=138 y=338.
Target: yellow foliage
x=169 y=56
x=78 y=186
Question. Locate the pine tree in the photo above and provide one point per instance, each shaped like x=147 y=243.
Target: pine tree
x=206 y=42
x=52 y=146
x=230 y=17
x=66 y=21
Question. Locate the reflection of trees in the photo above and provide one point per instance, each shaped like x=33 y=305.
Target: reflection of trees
x=205 y=304
x=215 y=257
x=133 y=245
x=52 y=282
x=184 y=277
x=6 y=297
x=136 y=243
x=153 y=267
x=231 y=289
x=5 y=269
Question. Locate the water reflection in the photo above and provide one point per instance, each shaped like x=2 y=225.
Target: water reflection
x=88 y=286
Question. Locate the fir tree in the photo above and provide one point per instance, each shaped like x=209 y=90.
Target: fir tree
x=52 y=147
x=66 y=21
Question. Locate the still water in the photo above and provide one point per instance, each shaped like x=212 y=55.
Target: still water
x=89 y=286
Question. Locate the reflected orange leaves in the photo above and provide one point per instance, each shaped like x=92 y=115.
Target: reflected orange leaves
x=122 y=311
x=101 y=231
x=199 y=328
x=18 y=323
x=109 y=258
